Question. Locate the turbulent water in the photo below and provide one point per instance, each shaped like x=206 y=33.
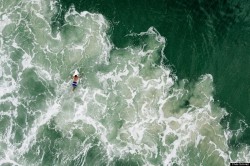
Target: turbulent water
x=129 y=108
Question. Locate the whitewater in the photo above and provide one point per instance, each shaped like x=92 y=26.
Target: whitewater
x=128 y=109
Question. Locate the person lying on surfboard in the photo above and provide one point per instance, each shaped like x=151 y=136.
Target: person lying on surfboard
x=75 y=79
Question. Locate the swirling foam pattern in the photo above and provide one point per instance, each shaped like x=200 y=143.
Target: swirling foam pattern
x=129 y=109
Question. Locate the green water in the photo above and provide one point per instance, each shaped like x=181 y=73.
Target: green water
x=202 y=37
x=161 y=83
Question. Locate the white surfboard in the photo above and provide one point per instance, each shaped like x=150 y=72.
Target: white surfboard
x=76 y=73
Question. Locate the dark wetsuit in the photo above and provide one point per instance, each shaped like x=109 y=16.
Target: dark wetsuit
x=74 y=84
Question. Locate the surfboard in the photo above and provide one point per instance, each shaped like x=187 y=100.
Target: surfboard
x=76 y=73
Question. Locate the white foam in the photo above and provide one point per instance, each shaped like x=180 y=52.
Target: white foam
x=137 y=132
x=5 y=20
x=132 y=107
x=26 y=62
x=30 y=137
x=8 y=161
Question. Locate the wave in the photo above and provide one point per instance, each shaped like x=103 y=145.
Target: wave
x=129 y=108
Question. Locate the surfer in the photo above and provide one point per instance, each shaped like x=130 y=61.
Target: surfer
x=75 y=80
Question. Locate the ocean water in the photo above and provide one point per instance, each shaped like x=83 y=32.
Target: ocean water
x=161 y=83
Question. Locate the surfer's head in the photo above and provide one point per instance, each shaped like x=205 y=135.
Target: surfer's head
x=75 y=75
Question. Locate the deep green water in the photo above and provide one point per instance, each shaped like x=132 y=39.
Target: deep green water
x=162 y=82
